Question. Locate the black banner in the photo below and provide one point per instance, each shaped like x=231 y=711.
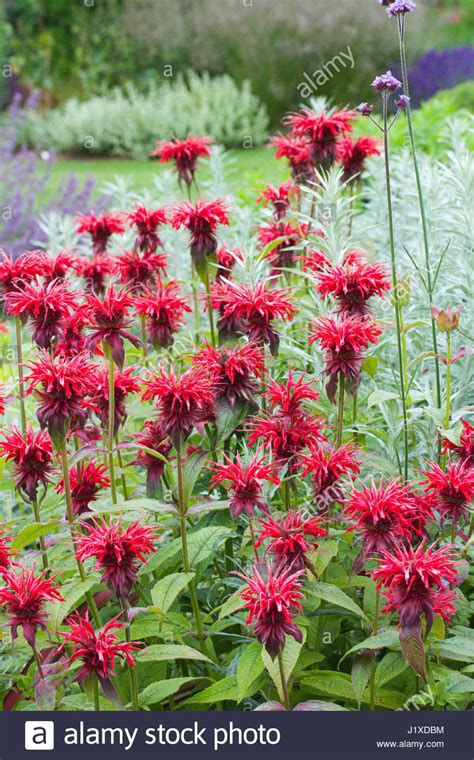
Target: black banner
x=172 y=736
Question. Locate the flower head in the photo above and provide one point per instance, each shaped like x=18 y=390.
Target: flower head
x=163 y=309
x=291 y=538
x=272 y=597
x=98 y=650
x=86 y=482
x=154 y=438
x=465 y=448
x=183 y=401
x=386 y=83
x=109 y=318
x=229 y=326
x=138 y=270
x=416 y=582
x=352 y=155
x=5 y=552
x=23 y=595
x=245 y=483
x=117 y=551
x=57 y=267
x=297 y=152
x=146 y=223
x=233 y=371
x=286 y=436
x=322 y=131
x=24 y=269
x=124 y=385
x=287 y=399
x=202 y=220
x=400 y=7
x=282 y=254
x=450 y=493
x=31 y=455
x=47 y=306
x=184 y=154
x=226 y=260
x=353 y=284
x=365 y=109
x=328 y=467
x=446 y=320
x=100 y=228
x=402 y=102
x=94 y=272
x=71 y=338
x=279 y=197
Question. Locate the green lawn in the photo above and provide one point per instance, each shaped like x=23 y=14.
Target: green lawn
x=250 y=169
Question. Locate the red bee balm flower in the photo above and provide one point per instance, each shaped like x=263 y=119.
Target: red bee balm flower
x=62 y=384
x=95 y=271
x=416 y=581
x=285 y=436
x=14 y=274
x=109 y=319
x=5 y=552
x=100 y=228
x=383 y=515
x=183 y=401
x=23 y=596
x=465 y=448
x=163 y=310
x=289 y=399
x=116 y=550
x=86 y=483
x=98 y=650
x=155 y=438
x=352 y=154
x=226 y=260
x=283 y=254
x=57 y=267
x=272 y=598
x=46 y=305
x=297 y=151
x=233 y=371
x=343 y=340
x=32 y=457
x=328 y=467
x=138 y=270
x=353 y=284
x=280 y=197
x=202 y=221
x=290 y=538
x=450 y=493
x=124 y=385
x=246 y=483
x=322 y=131
x=146 y=223
x=184 y=154
x=256 y=308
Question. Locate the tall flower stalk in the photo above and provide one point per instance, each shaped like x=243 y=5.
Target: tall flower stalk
x=110 y=429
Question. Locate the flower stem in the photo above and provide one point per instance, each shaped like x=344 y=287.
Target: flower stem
x=209 y=307
x=373 y=664
x=132 y=673
x=122 y=475
x=354 y=416
x=144 y=337
x=96 y=695
x=21 y=382
x=447 y=416
x=419 y=187
x=284 y=682
x=340 y=411
x=42 y=543
x=38 y=663
x=395 y=283
x=110 y=446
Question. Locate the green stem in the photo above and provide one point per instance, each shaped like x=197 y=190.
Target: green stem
x=287 y=494
x=448 y=381
x=373 y=664
x=340 y=411
x=419 y=187
x=110 y=445
x=38 y=663
x=395 y=282
x=131 y=671
x=122 y=475
x=144 y=337
x=96 y=695
x=354 y=415
x=42 y=543
x=284 y=683
x=209 y=308
x=21 y=381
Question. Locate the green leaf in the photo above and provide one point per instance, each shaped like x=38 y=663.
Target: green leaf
x=322 y=557
x=457 y=648
x=457 y=683
x=291 y=652
x=369 y=365
x=249 y=667
x=134 y=505
x=340 y=685
x=413 y=650
x=30 y=533
x=389 y=668
x=72 y=594
x=192 y=470
x=204 y=543
x=218 y=692
x=388 y=638
x=163 y=652
x=335 y=595
x=228 y=418
x=379 y=397
x=167 y=589
x=157 y=692
x=233 y=604
x=360 y=674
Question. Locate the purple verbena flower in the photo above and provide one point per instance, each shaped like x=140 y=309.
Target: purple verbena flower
x=402 y=102
x=400 y=7
x=386 y=83
x=365 y=109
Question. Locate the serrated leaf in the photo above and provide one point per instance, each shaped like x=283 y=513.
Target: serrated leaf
x=228 y=418
x=291 y=652
x=157 y=692
x=218 y=692
x=389 y=667
x=164 y=652
x=233 y=604
x=249 y=667
x=204 y=543
x=413 y=649
x=380 y=397
x=192 y=470
x=335 y=595
x=457 y=648
x=340 y=685
x=388 y=638
x=167 y=589
x=135 y=505
x=30 y=533
x=360 y=674
x=322 y=557
x=72 y=594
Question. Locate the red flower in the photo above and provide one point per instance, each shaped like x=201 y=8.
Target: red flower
x=343 y=340
x=94 y=272
x=5 y=552
x=110 y=318
x=139 y=270
x=32 y=458
x=256 y=308
x=272 y=598
x=290 y=397
x=98 y=650
x=100 y=228
x=285 y=436
x=48 y=306
x=383 y=515
x=246 y=483
x=183 y=400
x=124 y=385
x=117 y=551
x=283 y=254
x=450 y=493
x=152 y=437
x=71 y=339
x=297 y=151
x=280 y=197
x=62 y=384
x=202 y=221
x=314 y=261
x=230 y=326
x=416 y=581
x=322 y=131
x=57 y=267
x=465 y=449
x=226 y=260
x=352 y=154
x=146 y=222
x=353 y=284
x=164 y=311
x=23 y=596
x=185 y=154
x=26 y=268
x=233 y=371
x=328 y=467
x=290 y=538
x=86 y=483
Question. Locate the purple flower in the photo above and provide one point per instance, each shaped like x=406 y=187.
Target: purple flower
x=400 y=7
x=386 y=83
x=402 y=101
x=439 y=70
x=365 y=109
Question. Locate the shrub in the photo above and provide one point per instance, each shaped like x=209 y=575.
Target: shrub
x=128 y=122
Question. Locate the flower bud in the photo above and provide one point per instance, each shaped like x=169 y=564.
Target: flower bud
x=446 y=320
